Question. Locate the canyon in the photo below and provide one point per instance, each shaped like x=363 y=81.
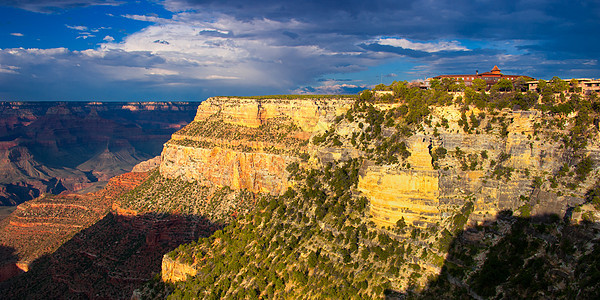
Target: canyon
x=51 y=147
x=332 y=195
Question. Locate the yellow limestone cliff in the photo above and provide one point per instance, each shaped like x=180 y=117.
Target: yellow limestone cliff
x=396 y=193
x=245 y=143
x=494 y=171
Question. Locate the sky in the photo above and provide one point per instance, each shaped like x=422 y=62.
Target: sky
x=186 y=50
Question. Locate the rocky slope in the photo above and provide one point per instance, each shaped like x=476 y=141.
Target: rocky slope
x=40 y=226
x=247 y=143
x=88 y=246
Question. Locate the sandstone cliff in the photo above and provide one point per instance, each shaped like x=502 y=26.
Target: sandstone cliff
x=247 y=143
x=173 y=270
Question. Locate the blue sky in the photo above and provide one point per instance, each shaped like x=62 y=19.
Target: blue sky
x=191 y=50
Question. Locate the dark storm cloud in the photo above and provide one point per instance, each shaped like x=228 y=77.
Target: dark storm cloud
x=563 y=27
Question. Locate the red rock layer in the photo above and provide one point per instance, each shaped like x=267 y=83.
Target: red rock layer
x=40 y=226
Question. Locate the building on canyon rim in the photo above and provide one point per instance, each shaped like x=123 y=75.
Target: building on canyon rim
x=491 y=77
x=582 y=85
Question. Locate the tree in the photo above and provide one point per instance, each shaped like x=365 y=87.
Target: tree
x=449 y=85
x=366 y=95
x=574 y=86
x=479 y=84
x=520 y=84
x=435 y=84
x=380 y=87
x=400 y=89
x=558 y=85
x=503 y=85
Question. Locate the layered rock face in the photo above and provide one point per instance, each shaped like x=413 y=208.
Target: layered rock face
x=40 y=226
x=396 y=193
x=423 y=195
x=247 y=143
x=495 y=171
x=256 y=172
x=309 y=114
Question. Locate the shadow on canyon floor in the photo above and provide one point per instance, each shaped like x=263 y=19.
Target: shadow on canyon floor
x=109 y=259
x=539 y=257
x=8 y=268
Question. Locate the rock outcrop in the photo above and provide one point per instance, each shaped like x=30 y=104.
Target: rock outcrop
x=40 y=226
x=495 y=170
x=173 y=270
x=247 y=143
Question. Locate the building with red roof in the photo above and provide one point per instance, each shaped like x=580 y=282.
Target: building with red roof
x=491 y=77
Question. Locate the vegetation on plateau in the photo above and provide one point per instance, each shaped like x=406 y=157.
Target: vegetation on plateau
x=277 y=135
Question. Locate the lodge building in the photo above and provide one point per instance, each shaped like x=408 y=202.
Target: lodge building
x=491 y=77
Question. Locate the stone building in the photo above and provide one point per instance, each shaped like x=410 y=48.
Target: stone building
x=585 y=86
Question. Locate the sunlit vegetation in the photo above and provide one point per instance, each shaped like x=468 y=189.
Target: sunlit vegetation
x=164 y=195
x=278 y=135
x=315 y=240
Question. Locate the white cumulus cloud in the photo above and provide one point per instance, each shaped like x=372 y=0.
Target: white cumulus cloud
x=78 y=28
x=426 y=47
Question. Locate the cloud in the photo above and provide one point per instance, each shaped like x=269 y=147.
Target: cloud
x=251 y=52
x=144 y=18
x=85 y=36
x=53 y=6
x=78 y=28
x=100 y=28
x=556 y=28
x=108 y=38
x=17 y=34
x=425 y=47
x=9 y=69
x=331 y=87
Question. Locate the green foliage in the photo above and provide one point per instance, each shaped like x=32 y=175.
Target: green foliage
x=525 y=210
x=479 y=84
x=461 y=217
x=503 y=85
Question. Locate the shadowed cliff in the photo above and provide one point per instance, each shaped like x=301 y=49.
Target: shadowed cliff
x=539 y=257
x=107 y=260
